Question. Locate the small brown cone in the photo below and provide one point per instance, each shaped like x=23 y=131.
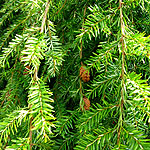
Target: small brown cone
x=86 y=103
x=84 y=74
x=26 y=70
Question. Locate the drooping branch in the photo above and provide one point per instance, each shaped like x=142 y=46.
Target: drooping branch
x=81 y=47
x=45 y=16
x=122 y=71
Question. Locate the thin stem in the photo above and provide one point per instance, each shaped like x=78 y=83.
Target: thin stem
x=82 y=29
x=81 y=93
x=122 y=71
x=45 y=16
x=30 y=133
x=61 y=7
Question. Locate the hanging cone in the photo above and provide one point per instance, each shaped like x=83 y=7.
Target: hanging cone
x=84 y=74
x=86 y=103
x=26 y=70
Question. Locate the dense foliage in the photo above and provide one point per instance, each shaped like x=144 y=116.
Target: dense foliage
x=74 y=74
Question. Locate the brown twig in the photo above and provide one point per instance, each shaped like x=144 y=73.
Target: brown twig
x=30 y=133
x=61 y=7
x=45 y=16
x=81 y=53
x=122 y=73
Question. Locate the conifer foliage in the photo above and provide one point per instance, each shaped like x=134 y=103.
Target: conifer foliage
x=74 y=74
